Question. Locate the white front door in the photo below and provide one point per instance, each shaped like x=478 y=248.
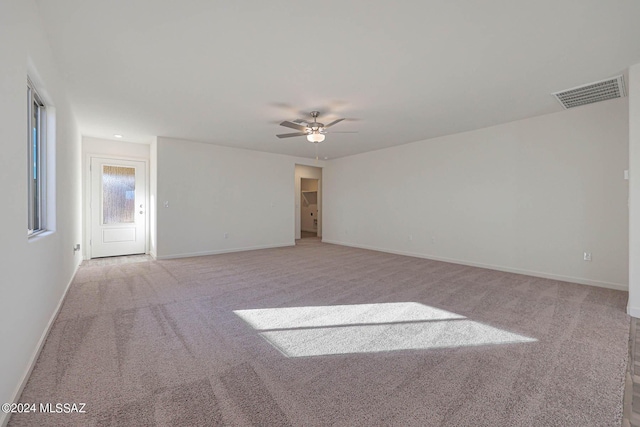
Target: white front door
x=118 y=207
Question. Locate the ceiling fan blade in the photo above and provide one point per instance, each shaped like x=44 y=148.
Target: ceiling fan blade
x=293 y=126
x=342 y=131
x=333 y=123
x=289 y=135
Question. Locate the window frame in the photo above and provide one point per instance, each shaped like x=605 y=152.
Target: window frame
x=36 y=162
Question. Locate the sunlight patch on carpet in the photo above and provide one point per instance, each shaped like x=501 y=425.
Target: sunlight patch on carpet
x=370 y=328
x=341 y=315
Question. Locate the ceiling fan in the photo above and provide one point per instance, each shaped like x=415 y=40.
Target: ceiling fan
x=314 y=131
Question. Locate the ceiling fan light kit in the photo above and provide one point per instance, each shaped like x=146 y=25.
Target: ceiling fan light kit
x=315 y=137
x=314 y=131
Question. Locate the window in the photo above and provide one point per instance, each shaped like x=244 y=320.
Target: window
x=36 y=181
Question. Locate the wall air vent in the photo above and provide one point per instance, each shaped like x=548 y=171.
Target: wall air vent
x=592 y=92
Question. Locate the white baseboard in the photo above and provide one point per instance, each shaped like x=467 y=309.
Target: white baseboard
x=4 y=418
x=633 y=311
x=579 y=280
x=224 y=251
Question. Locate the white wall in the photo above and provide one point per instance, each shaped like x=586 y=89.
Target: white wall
x=313 y=172
x=308 y=214
x=214 y=190
x=307 y=184
x=528 y=196
x=34 y=274
x=634 y=191
x=98 y=147
x=107 y=147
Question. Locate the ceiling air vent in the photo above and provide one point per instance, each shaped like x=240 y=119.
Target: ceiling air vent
x=592 y=92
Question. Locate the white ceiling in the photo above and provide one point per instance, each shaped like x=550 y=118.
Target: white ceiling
x=227 y=72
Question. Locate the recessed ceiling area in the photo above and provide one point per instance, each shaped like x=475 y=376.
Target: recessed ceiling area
x=228 y=73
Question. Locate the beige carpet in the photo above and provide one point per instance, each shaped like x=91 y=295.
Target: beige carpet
x=320 y=335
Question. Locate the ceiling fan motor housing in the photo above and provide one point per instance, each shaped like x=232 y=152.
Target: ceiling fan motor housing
x=315 y=127
x=314 y=131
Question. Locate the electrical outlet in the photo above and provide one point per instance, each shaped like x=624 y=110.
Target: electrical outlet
x=166 y=204
x=226 y=235
x=587 y=256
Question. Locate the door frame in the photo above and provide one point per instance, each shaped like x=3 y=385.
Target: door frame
x=87 y=198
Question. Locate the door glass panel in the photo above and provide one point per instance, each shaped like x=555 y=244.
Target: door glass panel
x=118 y=194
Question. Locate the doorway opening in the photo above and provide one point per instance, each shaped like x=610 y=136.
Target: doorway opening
x=117 y=207
x=308 y=186
x=308 y=207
